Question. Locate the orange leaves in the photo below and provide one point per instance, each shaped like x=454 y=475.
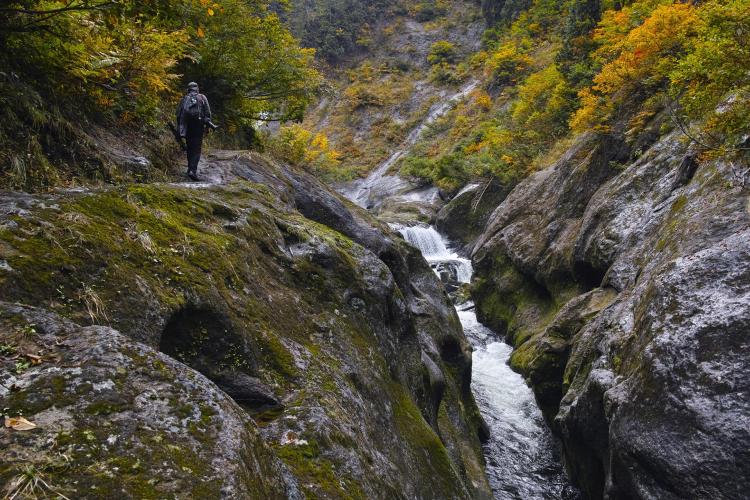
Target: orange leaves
x=482 y=99
x=644 y=56
x=643 y=50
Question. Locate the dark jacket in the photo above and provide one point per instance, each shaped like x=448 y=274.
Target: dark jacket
x=182 y=119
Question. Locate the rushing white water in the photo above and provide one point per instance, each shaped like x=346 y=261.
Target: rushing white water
x=370 y=190
x=436 y=253
x=520 y=453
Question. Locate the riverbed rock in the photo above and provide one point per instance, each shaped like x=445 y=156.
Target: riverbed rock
x=622 y=280
x=465 y=216
x=332 y=333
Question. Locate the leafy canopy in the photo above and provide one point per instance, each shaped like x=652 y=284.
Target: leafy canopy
x=128 y=55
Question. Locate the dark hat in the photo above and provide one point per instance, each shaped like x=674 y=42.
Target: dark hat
x=192 y=85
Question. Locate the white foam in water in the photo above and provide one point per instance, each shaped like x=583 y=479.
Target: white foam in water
x=521 y=461
x=520 y=453
x=435 y=251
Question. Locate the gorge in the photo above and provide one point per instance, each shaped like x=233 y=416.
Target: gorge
x=445 y=249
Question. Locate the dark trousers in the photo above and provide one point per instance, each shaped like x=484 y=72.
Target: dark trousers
x=194 y=140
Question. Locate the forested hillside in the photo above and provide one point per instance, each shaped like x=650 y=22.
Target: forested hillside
x=550 y=70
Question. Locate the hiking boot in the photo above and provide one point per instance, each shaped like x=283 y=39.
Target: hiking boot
x=193 y=177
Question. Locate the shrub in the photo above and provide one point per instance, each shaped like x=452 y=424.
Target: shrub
x=544 y=104
x=427 y=11
x=448 y=73
x=442 y=51
x=296 y=145
x=645 y=58
x=713 y=79
x=505 y=64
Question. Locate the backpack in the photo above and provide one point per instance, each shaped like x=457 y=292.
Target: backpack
x=192 y=107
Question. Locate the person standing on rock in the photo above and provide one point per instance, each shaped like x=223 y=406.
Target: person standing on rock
x=193 y=116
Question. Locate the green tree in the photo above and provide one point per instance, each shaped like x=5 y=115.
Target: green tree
x=712 y=81
x=442 y=51
x=577 y=43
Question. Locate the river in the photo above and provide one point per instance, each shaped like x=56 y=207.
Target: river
x=521 y=455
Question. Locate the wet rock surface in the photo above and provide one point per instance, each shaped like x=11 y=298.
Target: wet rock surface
x=331 y=332
x=465 y=216
x=626 y=293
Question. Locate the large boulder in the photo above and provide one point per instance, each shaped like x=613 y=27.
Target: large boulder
x=465 y=216
x=330 y=332
x=623 y=283
x=115 y=418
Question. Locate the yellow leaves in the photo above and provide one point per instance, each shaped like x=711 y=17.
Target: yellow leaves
x=643 y=56
x=211 y=7
x=19 y=424
x=505 y=63
x=482 y=99
x=442 y=51
x=318 y=150
x=200 y=32
x=544 y=103
x=473 y=148
x=320 y=142
x=298 y=145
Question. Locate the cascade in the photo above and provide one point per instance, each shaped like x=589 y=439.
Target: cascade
x=521 y=455
x=522 y=460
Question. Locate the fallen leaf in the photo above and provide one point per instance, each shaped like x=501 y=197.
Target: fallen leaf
x=35 y=360
x=19 y=424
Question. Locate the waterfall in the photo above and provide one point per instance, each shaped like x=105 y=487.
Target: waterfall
x=436 y=253
x=521 y=456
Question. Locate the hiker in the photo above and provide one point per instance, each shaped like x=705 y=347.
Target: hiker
x=193 y=115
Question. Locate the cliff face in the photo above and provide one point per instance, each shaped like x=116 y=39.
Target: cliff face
x=253 y=335
x=622 y=280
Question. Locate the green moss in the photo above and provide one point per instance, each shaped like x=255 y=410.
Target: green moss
x=679 y=204
x=522 y=357
x=190 y=256
x=266 y=417
x=318 y=476
x=181 y=408
x=412 y=427
x=277 y=356
x=104 y=408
